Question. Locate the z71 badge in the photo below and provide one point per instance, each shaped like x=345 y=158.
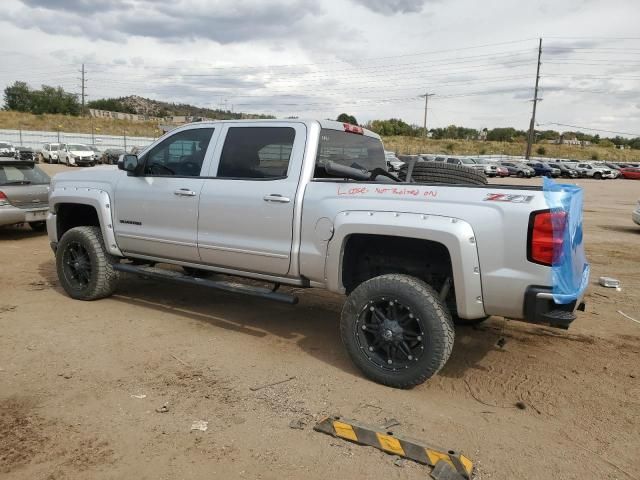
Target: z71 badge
x=504 y=197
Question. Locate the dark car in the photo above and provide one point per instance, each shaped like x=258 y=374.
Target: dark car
x=111 y=155
x=519 y=169
x=567 y=170
x=27 y=153
x=544 y=169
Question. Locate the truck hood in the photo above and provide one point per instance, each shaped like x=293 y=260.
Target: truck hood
x=108 y=174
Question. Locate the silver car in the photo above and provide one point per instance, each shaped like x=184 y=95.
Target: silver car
x=24 y=190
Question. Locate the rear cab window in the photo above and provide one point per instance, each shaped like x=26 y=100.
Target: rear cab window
x=256 y=153
x=348 y=149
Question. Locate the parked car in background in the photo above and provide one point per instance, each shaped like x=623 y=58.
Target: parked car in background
x=466 y=162
x=502 y=171
x=50 y=152
x=544 y=169
x=614 y=171
x=24 y=191
x=7 y=149
x=393 y=163
x=612 y=166
x=519 y=169
x=593 y=171
x=490 y=168
x=136 y=149
x=635 y=215
x=567 y=170
x=97 y=153
x=76 y=154
x=630 y=173
x=111 y=156
x=26 y=153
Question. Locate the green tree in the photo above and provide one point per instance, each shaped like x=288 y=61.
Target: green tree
x=346 y=118
x=18 y=97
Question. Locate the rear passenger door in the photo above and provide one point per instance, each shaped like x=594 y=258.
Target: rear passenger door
x=247 y=204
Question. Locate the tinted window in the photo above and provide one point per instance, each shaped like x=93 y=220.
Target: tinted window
x=452 y=160
x=350 y=149
x=27 y=174
x=181 y=154
x=256 y=152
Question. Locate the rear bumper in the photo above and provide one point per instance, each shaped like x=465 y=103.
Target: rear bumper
x=10 y=215
x=539 y=307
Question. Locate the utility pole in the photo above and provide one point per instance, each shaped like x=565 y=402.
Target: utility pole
x=531 y=136
x=83 y=89
x=426 y=104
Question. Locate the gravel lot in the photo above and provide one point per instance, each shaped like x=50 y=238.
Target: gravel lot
x=82 y=384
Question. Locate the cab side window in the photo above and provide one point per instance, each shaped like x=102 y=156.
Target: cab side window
x=181 y=154
x=256 y=152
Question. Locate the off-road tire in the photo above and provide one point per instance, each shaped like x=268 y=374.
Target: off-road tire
x=103 y=278
x=38 y=226
x=436 y=172
x=432 y=315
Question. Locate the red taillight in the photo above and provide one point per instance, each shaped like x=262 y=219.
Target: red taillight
x=3 y=199
x=353 y=129
x=546 y=232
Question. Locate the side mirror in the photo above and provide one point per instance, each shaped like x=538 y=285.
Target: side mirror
x=129 y=163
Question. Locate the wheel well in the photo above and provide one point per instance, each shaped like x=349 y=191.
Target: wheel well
x=368 y=256
x=70 y=215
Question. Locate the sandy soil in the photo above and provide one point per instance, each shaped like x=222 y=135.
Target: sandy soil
x=81 y=382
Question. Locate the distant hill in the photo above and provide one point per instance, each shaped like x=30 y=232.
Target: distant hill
x=157 y=108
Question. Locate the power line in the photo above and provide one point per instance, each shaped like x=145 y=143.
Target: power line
x=590 y=129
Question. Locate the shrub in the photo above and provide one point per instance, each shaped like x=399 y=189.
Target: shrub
x=450 y=146
x=594 y=156
x=541 y=150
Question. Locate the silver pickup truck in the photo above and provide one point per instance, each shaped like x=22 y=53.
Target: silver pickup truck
x=311 y=204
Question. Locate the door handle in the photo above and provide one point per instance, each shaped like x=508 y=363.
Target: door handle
x=185 y=192
x=276 y=198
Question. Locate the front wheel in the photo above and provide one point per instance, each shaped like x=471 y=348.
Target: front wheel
x=597 y=176
x=84 y=267
x=396 y=330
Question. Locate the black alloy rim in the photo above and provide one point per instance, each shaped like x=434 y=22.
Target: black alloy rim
x=389 y=334
x=77 y=265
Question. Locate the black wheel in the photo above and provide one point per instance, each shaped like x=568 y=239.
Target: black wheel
x=436 y=172
x=197 y=272
x=38 y=226
x=396 y=330
x=597 y=176
x=85 y=269
x=520 y=174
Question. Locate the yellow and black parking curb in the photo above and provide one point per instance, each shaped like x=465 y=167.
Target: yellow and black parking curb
x=388 y=442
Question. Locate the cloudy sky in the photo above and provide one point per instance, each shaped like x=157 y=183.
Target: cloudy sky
x=369 y=58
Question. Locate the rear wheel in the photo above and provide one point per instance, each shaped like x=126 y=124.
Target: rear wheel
x=396 y=330
x=597 y=176
x=84 y=267
x=436 y=172
x=520 y=174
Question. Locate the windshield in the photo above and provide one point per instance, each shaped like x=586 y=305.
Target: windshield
x=5 y=145
x=350 y=149
x=16 y=174
x=78 y=148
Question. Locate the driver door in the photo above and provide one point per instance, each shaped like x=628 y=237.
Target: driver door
x=156 y=211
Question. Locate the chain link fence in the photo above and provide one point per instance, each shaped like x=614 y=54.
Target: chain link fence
x=35 y=139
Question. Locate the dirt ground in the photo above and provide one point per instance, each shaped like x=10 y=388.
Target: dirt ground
x=82 y=384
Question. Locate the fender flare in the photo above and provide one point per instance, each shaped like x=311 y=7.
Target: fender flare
x=96 y=198
x=455 y=234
